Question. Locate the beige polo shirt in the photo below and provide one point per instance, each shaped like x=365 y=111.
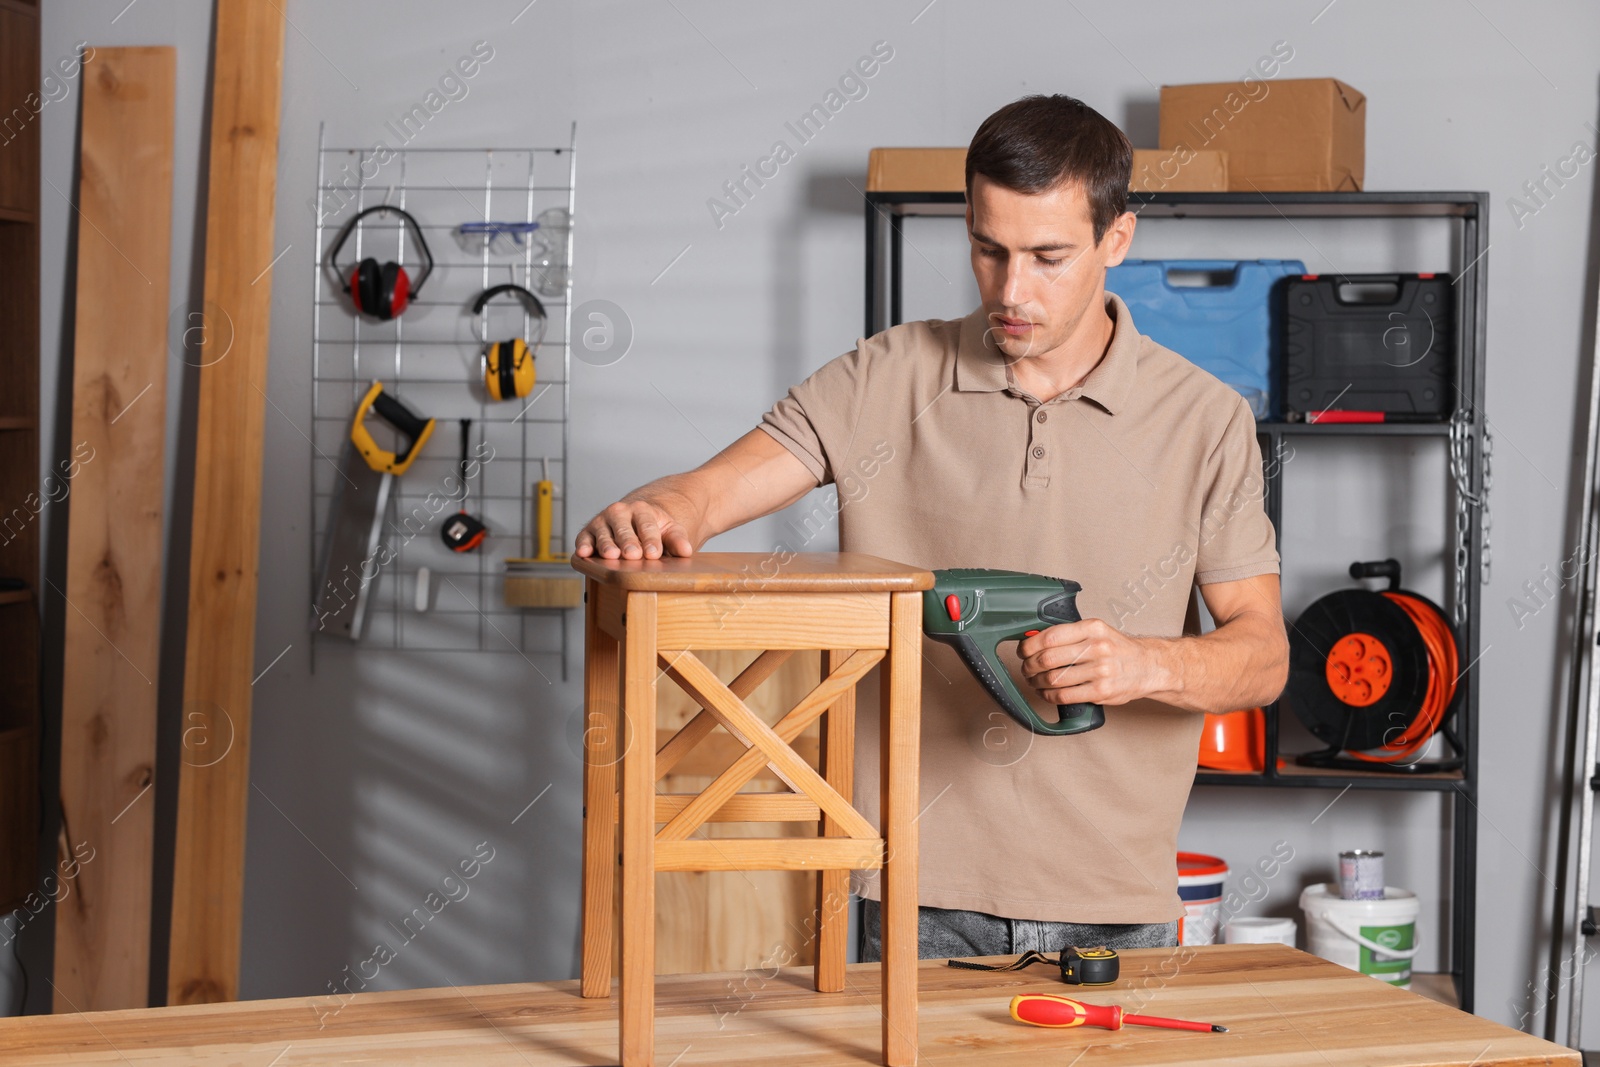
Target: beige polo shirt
x=1139 y=483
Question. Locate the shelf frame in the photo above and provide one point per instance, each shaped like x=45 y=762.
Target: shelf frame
x=1469 y=212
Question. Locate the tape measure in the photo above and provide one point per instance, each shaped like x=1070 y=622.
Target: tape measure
x=1090 y=966
x=1079 y=966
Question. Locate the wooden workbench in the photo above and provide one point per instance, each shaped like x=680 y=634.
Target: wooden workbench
x=1283 y=1008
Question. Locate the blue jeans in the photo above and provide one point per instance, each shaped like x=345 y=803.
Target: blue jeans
x=945 y=933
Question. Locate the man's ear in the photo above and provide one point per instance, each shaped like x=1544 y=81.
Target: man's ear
x=1119 y=237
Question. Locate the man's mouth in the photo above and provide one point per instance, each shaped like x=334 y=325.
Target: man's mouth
x=1013 y=327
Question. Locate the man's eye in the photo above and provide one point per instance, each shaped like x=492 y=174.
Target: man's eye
x=1049 y=262
x=995 y=253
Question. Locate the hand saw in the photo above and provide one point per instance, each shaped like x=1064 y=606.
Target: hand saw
x=351 y=556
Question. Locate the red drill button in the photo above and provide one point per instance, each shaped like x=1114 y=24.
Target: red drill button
x=952 y=604
x=1030 y=633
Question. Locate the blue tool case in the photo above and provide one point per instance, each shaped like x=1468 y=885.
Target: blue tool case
x=1219 y=314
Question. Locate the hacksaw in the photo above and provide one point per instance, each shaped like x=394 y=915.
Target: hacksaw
x=350 y=554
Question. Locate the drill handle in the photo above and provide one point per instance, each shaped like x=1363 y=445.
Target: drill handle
x=1074 y=718
x=1063 y=607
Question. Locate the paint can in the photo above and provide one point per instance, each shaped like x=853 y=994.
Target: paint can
x=1361 y=875
x=1200 y=882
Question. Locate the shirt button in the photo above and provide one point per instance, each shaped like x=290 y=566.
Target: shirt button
x=1042 y=416
x=1038 y=453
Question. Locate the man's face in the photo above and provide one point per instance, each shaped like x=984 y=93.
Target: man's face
x=1038 y=268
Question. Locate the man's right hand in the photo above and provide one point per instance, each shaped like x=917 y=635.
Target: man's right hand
x=635 y=528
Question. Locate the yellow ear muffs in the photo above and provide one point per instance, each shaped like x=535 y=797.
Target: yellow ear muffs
x=508 y=370
x=508 y=365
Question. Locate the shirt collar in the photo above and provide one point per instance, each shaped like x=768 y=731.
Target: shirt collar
x=980 y=367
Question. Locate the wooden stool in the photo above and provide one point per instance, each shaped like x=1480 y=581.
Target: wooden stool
x=645 y=617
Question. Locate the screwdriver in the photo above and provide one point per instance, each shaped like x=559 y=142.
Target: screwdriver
x=1047 y=1009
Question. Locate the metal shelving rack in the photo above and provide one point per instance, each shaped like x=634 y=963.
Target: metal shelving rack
x=1469 y=211
x=429 y=358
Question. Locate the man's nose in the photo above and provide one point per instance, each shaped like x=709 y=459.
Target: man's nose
x=1014 y=292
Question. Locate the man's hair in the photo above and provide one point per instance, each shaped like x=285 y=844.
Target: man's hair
x=1039 y=142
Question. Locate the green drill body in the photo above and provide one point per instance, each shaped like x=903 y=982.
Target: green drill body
x=975 y=610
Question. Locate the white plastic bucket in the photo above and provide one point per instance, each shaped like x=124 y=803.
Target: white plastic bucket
x=1375 y=937
x=1200 y=881
x=1254 y=931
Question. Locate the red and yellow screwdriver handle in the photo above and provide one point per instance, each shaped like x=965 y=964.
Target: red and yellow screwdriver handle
x=1047 y=1009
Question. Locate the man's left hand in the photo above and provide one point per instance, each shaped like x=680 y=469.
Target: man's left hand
x=1090 y=662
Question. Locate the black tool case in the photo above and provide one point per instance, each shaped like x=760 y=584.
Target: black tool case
x=1369 y=342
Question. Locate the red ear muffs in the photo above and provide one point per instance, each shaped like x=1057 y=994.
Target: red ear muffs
x=381 y=290
x=396 y=289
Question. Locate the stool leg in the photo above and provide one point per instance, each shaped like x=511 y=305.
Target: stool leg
x=637 y=1008
x=900 y=721
x=601 y=735
x=837 y=758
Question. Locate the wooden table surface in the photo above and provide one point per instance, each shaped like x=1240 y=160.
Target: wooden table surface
x=1283 y=1008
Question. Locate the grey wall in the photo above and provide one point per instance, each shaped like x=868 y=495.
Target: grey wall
x=378 y=772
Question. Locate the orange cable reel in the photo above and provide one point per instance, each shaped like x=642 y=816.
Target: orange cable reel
x=1374 y=675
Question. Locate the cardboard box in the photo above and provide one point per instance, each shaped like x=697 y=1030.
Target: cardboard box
x=917 y=170
x=1297 y=135
x=1179 y=170
x=942 y=170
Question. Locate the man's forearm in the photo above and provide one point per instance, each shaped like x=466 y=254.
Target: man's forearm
x=752 y=477
x=713 y=498
x=1241 y=664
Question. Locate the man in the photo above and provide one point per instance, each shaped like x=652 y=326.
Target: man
x=1040 y=433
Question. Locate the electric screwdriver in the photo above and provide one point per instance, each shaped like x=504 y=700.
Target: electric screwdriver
x=974 y=609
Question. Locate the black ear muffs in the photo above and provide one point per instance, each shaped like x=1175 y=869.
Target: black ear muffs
x=508 y=366
x=382 y=290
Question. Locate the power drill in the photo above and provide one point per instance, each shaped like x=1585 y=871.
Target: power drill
x=974 y=609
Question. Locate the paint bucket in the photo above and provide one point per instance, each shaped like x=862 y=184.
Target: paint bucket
x=1200 y=880
x=1259 y=931
x=1375 y=937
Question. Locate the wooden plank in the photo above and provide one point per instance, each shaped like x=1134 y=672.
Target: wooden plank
x=601 y=750
x=208 y=874
x=774 y=620
x=1282 y=1008
x=112 y=625
x=745 y=807
x=637 y=998
x=837 y=757
x=769 y=854
x=756 y=572
x=900 y=718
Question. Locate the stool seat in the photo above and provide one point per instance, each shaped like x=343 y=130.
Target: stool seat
x=734 y=572
x=646 y=618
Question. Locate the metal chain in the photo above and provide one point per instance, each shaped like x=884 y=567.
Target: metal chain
x=1460 y=466
x=1488 y=483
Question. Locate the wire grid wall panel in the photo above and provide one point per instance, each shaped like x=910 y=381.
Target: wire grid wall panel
x=431 y=358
